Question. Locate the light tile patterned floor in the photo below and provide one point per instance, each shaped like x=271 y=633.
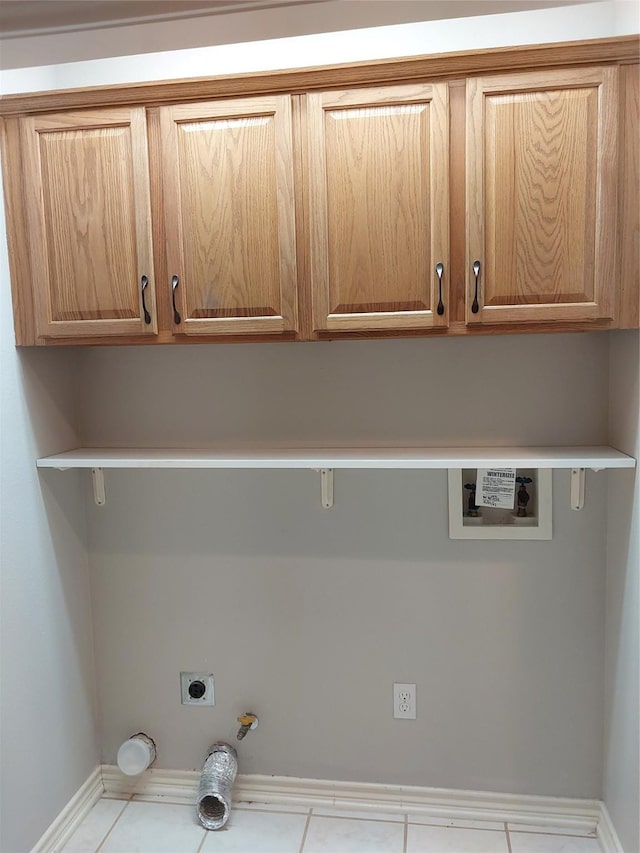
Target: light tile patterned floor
x=151 y=825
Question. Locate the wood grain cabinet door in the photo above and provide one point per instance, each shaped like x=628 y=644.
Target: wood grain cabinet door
x=89 y=217
x=379 y=207
x=541 y=196
x=230 y=216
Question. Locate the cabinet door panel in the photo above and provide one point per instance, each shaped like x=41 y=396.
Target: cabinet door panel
x=378 y=197
x=87 y=185
x=229 y=210
x=541 y=172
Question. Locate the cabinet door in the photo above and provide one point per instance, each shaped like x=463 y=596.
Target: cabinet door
x=89 y=216
x=379 y=207
x=541 y=196
x=230 y=216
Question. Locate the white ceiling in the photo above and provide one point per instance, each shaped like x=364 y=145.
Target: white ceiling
x=35 y=17
x=49 y=32
x=19 y=18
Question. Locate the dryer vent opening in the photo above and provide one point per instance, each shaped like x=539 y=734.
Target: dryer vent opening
x=213 y=808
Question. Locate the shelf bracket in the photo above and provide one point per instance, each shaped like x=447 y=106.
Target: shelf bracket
x=97 y=475
x=577 y=488
x=326 y=486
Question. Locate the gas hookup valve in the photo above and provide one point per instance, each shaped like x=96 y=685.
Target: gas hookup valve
x=248 y=722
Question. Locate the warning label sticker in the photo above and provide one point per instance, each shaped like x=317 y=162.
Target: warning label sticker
x=496 y=487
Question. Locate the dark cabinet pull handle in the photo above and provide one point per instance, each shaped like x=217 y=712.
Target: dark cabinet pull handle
x=144 y=282
x=476 y=271
x=439 y=271
x=175 y=281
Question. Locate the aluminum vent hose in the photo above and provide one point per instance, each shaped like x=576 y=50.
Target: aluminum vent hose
x=214 y=794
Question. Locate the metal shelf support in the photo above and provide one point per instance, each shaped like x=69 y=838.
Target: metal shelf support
x=97 y=475
x=326 y=487
x=577 y=488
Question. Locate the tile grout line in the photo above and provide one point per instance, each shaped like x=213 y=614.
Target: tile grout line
x=204 y=838
x=471 y=828
x=542 y=831
x=406 y=833
x=506 y=832
x=267 y=810
x=278 y=809
x=111 y=828
x=351 y=817
x=306 y=830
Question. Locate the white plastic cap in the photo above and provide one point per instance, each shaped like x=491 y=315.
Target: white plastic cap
x=135 y=755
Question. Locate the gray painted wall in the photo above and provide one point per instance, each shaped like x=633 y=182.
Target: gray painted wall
x=513 y=389
x=307 y=616
x=622 y=688
x=47 y=698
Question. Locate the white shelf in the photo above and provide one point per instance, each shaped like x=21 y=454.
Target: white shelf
x=342 y=457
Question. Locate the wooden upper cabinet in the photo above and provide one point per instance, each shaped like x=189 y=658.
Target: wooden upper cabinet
x=230 y=216
x=88 y=213
x=378 y=195
x=278 y=205
x=541 y=196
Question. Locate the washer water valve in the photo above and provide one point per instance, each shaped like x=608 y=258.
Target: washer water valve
x=247 y=723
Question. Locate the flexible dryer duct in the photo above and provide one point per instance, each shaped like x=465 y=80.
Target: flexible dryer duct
x=216 y=782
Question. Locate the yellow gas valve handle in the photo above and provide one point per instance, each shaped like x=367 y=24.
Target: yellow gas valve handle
x=247 y=722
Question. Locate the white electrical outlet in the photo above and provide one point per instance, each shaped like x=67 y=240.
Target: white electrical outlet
x=404 y=701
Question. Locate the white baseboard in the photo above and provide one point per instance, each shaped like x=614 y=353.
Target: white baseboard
x=607 y=834
x=584 y=816
x=76 y=809
x=182 y=785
